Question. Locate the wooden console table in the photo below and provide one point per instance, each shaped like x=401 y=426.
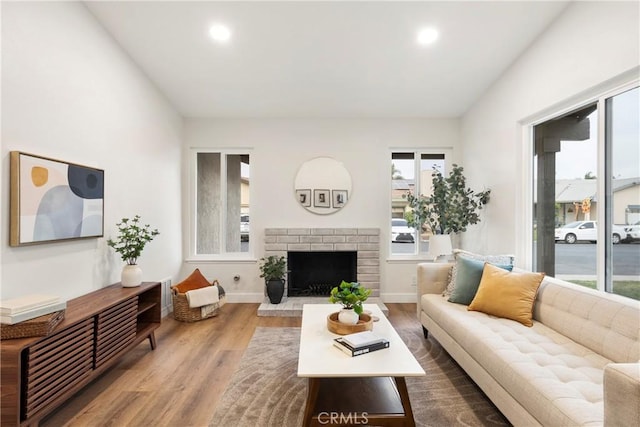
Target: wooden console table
x=40 y=373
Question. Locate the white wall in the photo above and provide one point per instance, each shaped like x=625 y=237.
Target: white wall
x=70 y=93
x=591 y=47
x=280 y=147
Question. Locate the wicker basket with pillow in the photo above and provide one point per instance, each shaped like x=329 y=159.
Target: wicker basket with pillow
x=181 y=309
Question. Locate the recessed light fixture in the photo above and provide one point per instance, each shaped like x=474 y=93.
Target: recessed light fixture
x=220 y=33
x=427 y=36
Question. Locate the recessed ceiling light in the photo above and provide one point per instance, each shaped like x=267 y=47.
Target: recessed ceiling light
x=427 y=36
x=220 y=33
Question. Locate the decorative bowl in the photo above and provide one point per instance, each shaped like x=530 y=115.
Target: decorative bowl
x=365 y=323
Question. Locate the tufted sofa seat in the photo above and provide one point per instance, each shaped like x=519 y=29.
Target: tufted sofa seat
x=552 y=373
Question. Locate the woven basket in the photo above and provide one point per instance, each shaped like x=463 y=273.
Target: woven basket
x=184 y=313
x=38 y=327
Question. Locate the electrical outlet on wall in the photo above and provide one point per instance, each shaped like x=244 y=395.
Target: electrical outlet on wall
x=414 y=281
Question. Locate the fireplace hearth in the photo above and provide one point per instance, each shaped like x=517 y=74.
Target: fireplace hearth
x=316 y=273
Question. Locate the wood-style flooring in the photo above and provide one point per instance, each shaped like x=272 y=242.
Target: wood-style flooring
x=181 y=382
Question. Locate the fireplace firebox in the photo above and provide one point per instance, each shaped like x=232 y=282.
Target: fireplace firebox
x=316 y=273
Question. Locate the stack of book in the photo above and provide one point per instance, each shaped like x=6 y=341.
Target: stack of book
x=29 y=307
x=360 y=343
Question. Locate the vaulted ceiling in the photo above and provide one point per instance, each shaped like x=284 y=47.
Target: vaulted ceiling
x=324 y=59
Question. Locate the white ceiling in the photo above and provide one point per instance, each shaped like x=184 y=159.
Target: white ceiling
x=324 y=59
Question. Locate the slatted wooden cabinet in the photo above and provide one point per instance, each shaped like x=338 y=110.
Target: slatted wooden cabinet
x=39 y=374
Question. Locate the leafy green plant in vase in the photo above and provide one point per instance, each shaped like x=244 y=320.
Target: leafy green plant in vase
x=351 y=295
x=450 y=209
x=273 y=269
x=131 y=240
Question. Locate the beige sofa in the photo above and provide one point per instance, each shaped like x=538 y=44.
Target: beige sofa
x=577 y=365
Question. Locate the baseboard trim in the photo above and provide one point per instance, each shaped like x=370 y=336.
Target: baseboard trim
x=259 y=297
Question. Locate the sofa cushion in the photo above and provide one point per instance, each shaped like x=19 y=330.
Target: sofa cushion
x=469 y=273
x=550 y=375
x=507 y=294
x=459 y=253
x=607 y=324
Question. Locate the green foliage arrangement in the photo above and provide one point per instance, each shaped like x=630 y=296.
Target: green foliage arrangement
x=132 y=239
x=273 y=268
x=350 y=295
x=451 y=208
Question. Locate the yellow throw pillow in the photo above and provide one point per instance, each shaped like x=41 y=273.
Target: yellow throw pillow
x=507 y=294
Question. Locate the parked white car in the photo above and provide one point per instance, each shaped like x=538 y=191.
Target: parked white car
x=244 y=227
x=401 y=232
x=633 y=232
x=587 y=230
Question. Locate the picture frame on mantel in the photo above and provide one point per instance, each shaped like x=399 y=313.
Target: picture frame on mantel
x=53 y=200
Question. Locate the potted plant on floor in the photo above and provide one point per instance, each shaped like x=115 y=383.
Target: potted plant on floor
x=450 y=208
x=273 y=270
x=131 y=240
x=351 y=295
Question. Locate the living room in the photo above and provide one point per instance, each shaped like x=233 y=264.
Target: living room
x=70 y=91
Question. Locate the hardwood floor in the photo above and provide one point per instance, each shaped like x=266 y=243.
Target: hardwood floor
x=180 y=383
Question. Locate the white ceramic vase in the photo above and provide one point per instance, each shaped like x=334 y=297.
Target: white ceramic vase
x=440 y=245
x=131 y=276
x=348 y=316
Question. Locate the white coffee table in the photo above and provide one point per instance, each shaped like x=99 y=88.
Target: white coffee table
x=370 y=388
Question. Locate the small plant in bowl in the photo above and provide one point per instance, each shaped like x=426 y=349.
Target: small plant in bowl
x=351 y=295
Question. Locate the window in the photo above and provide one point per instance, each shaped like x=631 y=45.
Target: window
x=220 y=203
x=586 y=187
x=411 y=172
x=622 y=191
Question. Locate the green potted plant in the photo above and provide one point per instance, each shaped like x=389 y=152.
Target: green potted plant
x=273 y=269
x=351 y=295
x=450 y=208
x=131 y=240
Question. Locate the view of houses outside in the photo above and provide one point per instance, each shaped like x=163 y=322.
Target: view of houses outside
x=577 y=196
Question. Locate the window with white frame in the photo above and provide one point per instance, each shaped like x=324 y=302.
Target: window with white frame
x=586 y=179
x=220 y=203
x=411 y=172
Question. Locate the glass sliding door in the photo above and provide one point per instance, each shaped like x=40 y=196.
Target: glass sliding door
x=622 y=192
x=586 y=207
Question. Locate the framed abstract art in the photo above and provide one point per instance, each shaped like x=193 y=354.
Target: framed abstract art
x=53 y=200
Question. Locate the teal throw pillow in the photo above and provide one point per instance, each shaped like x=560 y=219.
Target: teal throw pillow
x=468 y=279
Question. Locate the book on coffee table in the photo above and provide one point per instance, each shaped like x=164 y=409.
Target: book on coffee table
x=361 y=339
x=341 y=344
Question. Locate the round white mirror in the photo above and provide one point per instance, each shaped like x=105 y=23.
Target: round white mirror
x=323 y=185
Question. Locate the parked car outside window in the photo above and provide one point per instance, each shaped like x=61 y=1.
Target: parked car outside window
x=633 y=232
x=401 y=232
x=587 y=230
x=244 y=228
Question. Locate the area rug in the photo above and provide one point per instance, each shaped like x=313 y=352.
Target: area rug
x=265 y=390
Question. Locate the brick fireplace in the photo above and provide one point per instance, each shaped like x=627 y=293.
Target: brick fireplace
x=364 y=241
